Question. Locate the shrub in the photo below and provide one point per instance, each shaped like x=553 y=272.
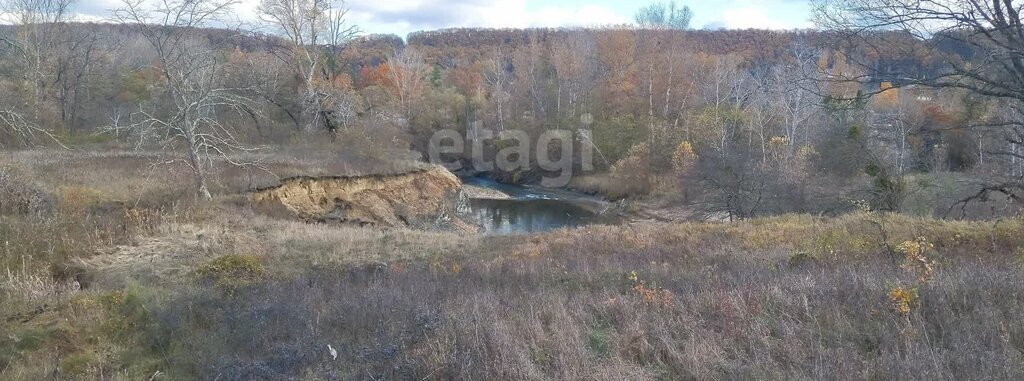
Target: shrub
x=635 y=168
x=904 y=299
x=20 y=197
x=610 y=187
x=650 y=294
x=232 y=268
x=684 y=159
x=78 y=200
x=916 y=260
x=599 y=342
x=801 y=257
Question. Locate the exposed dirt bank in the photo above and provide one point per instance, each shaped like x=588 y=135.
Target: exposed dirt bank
x=429 y=198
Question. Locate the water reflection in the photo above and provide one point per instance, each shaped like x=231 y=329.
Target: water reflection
x=534 y=209
x=534 y=215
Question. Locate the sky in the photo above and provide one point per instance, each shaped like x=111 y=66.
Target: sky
x=404 y=16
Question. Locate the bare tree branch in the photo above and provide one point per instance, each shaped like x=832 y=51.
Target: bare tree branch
x=190 y=70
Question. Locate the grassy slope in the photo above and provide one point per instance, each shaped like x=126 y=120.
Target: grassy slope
x=216 y=292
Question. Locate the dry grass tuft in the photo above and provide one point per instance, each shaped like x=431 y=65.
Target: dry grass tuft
x=18 y=196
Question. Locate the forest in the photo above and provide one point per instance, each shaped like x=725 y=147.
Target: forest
x=734 y=118
x=186 y=198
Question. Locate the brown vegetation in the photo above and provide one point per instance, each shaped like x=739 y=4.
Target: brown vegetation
x=217 y=290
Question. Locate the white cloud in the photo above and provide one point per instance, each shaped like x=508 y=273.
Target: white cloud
x=762 y=14
x=406 y=16
x=750 y=17
x=83 y=17
x=403 y=16
x=588 y=15
x=95 y=9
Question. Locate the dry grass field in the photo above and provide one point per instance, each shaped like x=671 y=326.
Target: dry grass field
x=108 y=272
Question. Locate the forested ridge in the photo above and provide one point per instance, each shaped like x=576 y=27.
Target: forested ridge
x=740 y=115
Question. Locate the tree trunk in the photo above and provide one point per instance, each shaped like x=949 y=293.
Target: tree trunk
x=198 y=174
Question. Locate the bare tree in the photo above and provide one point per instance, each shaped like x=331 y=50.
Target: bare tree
x=498 y=78
x=724 y=91
x=315 y=30
x=15 y=127
x=527 y=83
x=760 y=114
x=36 y=21
x=408 y=75
x=573 y=58
x=37 y=35
x=795 y=94
x=994 y=28
x=74 y=63
x=986 y=58
x=661 y=15
x=189 y=69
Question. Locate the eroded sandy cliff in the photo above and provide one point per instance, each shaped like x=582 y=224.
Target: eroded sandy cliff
x=427 y=198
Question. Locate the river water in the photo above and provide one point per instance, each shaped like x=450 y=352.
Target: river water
x=535 y=209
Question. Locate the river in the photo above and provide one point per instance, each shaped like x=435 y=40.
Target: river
x=530 y=209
